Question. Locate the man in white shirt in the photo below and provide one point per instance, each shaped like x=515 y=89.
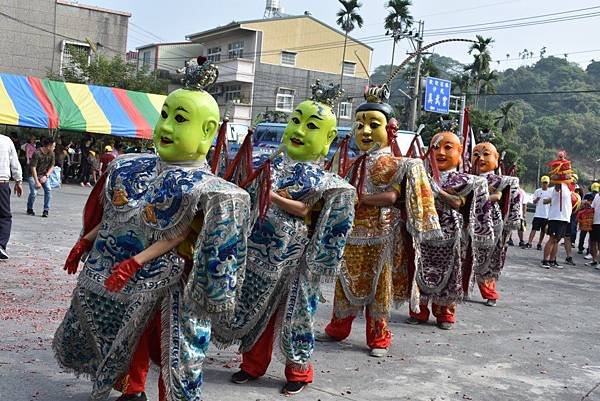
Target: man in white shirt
x=540 y=218
x=595 y=234
x=559 y=217
x=9 y=166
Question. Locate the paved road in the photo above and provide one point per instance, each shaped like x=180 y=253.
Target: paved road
x=540 y=343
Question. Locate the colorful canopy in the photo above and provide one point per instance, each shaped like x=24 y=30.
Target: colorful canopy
x=41 y=103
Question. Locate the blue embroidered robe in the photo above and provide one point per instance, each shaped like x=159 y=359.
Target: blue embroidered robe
x=287 y=257
x=146 y=200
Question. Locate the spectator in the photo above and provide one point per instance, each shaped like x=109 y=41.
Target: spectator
x=59 y=154
x=540 y=218
x=595 y=234
x=559 y=216
x=9 y=166
x=41 y=165
x=94 y=160
x=106 y=158
x=84 y=167
x=29 y=149
x=594 y=189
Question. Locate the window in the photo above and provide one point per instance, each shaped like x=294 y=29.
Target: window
x=349 y=68
x=232 y=92
x=288 y=58
x=236 y=49
x=146 y=59
x=70 y=52
x=214 y=54
x=345 y=110
x=284 y=100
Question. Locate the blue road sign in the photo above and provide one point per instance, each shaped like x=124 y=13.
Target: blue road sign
x=437 y=95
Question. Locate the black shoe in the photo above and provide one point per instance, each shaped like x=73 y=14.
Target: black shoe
x=539 y=247
x=3 y=254
x=241 y=377
x=30 y=212
x=45 y=213
x=580 y=252
x=133 y=397
x=293 y=387
x=569 y=261
x=592 y=263
x=521 y=244
x=526 y=246
x=510 y=242
x=555 y=264
x=546 y=264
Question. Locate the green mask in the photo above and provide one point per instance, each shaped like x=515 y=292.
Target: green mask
x=187 y=125
x=310 y=132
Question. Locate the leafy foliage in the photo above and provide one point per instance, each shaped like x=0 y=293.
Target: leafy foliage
x=114 y=72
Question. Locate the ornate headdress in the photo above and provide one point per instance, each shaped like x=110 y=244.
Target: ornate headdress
x=377 y=99
x=199 y=74
x=327 y=95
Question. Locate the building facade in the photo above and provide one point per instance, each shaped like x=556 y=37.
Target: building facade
x=38 y=36
x=269 y=65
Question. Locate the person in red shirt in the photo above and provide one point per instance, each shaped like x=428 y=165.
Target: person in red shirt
x=106 y=158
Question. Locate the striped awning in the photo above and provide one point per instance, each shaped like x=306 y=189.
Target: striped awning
x=41 y=103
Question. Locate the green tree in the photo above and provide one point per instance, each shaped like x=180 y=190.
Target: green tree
x=397 y=22
x=347 y=18
x=115 y=72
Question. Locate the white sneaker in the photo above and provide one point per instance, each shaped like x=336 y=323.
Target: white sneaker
x=588 y=256
x=378 y=352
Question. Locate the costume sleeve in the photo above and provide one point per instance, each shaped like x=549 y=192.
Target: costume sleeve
x=326 y=247
x=220 y=256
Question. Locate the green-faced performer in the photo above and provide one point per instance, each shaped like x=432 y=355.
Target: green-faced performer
x=164 y=244
x=300 y=240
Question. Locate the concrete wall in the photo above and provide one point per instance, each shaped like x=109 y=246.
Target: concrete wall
x=28 y=46
x=268 y=78
x=318 y=47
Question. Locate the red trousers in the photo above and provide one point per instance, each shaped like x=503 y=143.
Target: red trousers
x=442 y=313
x=377 y=332
x=148 y=348
x=488 y=289
x=256 y=361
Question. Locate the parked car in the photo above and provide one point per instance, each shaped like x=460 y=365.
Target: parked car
x=267 y=137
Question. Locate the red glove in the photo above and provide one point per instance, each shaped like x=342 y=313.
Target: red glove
x=81 y=247
x=121 y=274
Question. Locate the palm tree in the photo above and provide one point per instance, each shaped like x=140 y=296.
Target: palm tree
x=487 y=85
x=397 y=22
x=481 y=62
x=347 y=17
x=461 y=82
x=504 y=120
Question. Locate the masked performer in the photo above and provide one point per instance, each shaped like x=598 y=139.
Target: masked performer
x=395 y=211
x=506 y=216
x=166 y=245
x=464 y=211
x=300 y=241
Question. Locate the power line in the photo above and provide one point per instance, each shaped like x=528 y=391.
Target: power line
x=513 y=19
x=537 y=93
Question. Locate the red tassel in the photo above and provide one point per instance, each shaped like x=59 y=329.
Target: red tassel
x=220 y=148
x=435 y=171
x=241 y=165
x=359 y=173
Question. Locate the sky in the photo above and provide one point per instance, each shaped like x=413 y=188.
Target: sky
x=155 y=21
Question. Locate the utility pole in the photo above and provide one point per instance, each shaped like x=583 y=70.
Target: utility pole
x=412 y=121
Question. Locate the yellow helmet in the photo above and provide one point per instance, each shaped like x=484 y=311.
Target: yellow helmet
x=595 y=187
x=545 y=179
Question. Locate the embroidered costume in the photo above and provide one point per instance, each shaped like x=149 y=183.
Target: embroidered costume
x=146 y=199
x=287 y=258
x=506 y=217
